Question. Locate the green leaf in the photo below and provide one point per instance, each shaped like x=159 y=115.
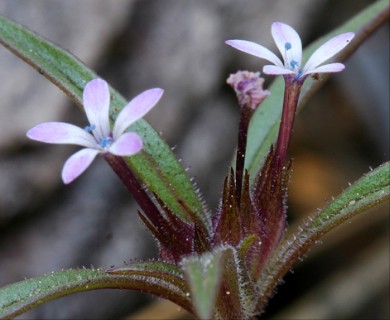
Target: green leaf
x=204 y=275
x=220 y=284
x=154 y=278
x=369 y=191
x=264 y=126
x=162 y=279
x=156 y=165
x=149 y=266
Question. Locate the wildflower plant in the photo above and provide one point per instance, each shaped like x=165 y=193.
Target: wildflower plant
x=222 y=265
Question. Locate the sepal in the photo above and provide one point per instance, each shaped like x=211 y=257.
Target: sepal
x=269 y=202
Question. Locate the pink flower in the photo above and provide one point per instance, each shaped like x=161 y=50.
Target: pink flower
x=248 y=87
x=98 y=136
x=290 y=46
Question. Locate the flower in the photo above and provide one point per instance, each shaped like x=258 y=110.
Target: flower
x=290 y=46
x=98 y=137
x=248 y=87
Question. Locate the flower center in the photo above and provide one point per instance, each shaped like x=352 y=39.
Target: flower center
x=106 y=142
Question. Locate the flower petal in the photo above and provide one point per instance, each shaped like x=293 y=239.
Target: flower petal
x=256 y=50
x=288 y=42
x=96 y=100
x=326 y=68
x=275 y=70
x=77 y=164
x=136 y=109
x=62 y=133
x=128 y=144
x=328 y=50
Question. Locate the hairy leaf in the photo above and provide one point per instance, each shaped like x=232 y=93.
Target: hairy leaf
x=369 y=191
x=204 y=275
x=156 y=278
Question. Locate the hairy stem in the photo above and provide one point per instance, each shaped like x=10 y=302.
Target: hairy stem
x=291 y=95
x=124 y=173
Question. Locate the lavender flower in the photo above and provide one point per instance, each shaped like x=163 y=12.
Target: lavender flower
x=98 y=137
x=290 y=46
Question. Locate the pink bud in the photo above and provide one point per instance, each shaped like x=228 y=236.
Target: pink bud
x=248 y=87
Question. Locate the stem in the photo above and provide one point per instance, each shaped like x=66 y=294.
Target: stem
x=245 y=116
x=124 y=173
x=291 y=95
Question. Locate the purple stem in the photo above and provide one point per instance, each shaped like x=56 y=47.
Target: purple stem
x=291 y=95
x=124 y=173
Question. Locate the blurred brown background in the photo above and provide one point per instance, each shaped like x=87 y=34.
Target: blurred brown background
x=179 y=45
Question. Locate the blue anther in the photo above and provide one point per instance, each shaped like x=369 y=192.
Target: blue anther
x=106 y=142
x=287 y=46
x=90 y=128
x=293 y=64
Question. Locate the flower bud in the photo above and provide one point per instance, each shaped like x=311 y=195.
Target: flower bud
x=248 y=87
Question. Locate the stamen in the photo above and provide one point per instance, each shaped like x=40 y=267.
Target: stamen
x=90 y=128
x=105 y=143
x=293 y=64
x=289 y=62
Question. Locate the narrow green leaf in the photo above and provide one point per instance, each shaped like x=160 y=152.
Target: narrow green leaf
x=204 y=274
x=160 y=278
x=156 y=165
x=264 y=126
x=369 y=191
x=220 y=284
x=22 y=296
x=158 y=270
x=149 y=266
